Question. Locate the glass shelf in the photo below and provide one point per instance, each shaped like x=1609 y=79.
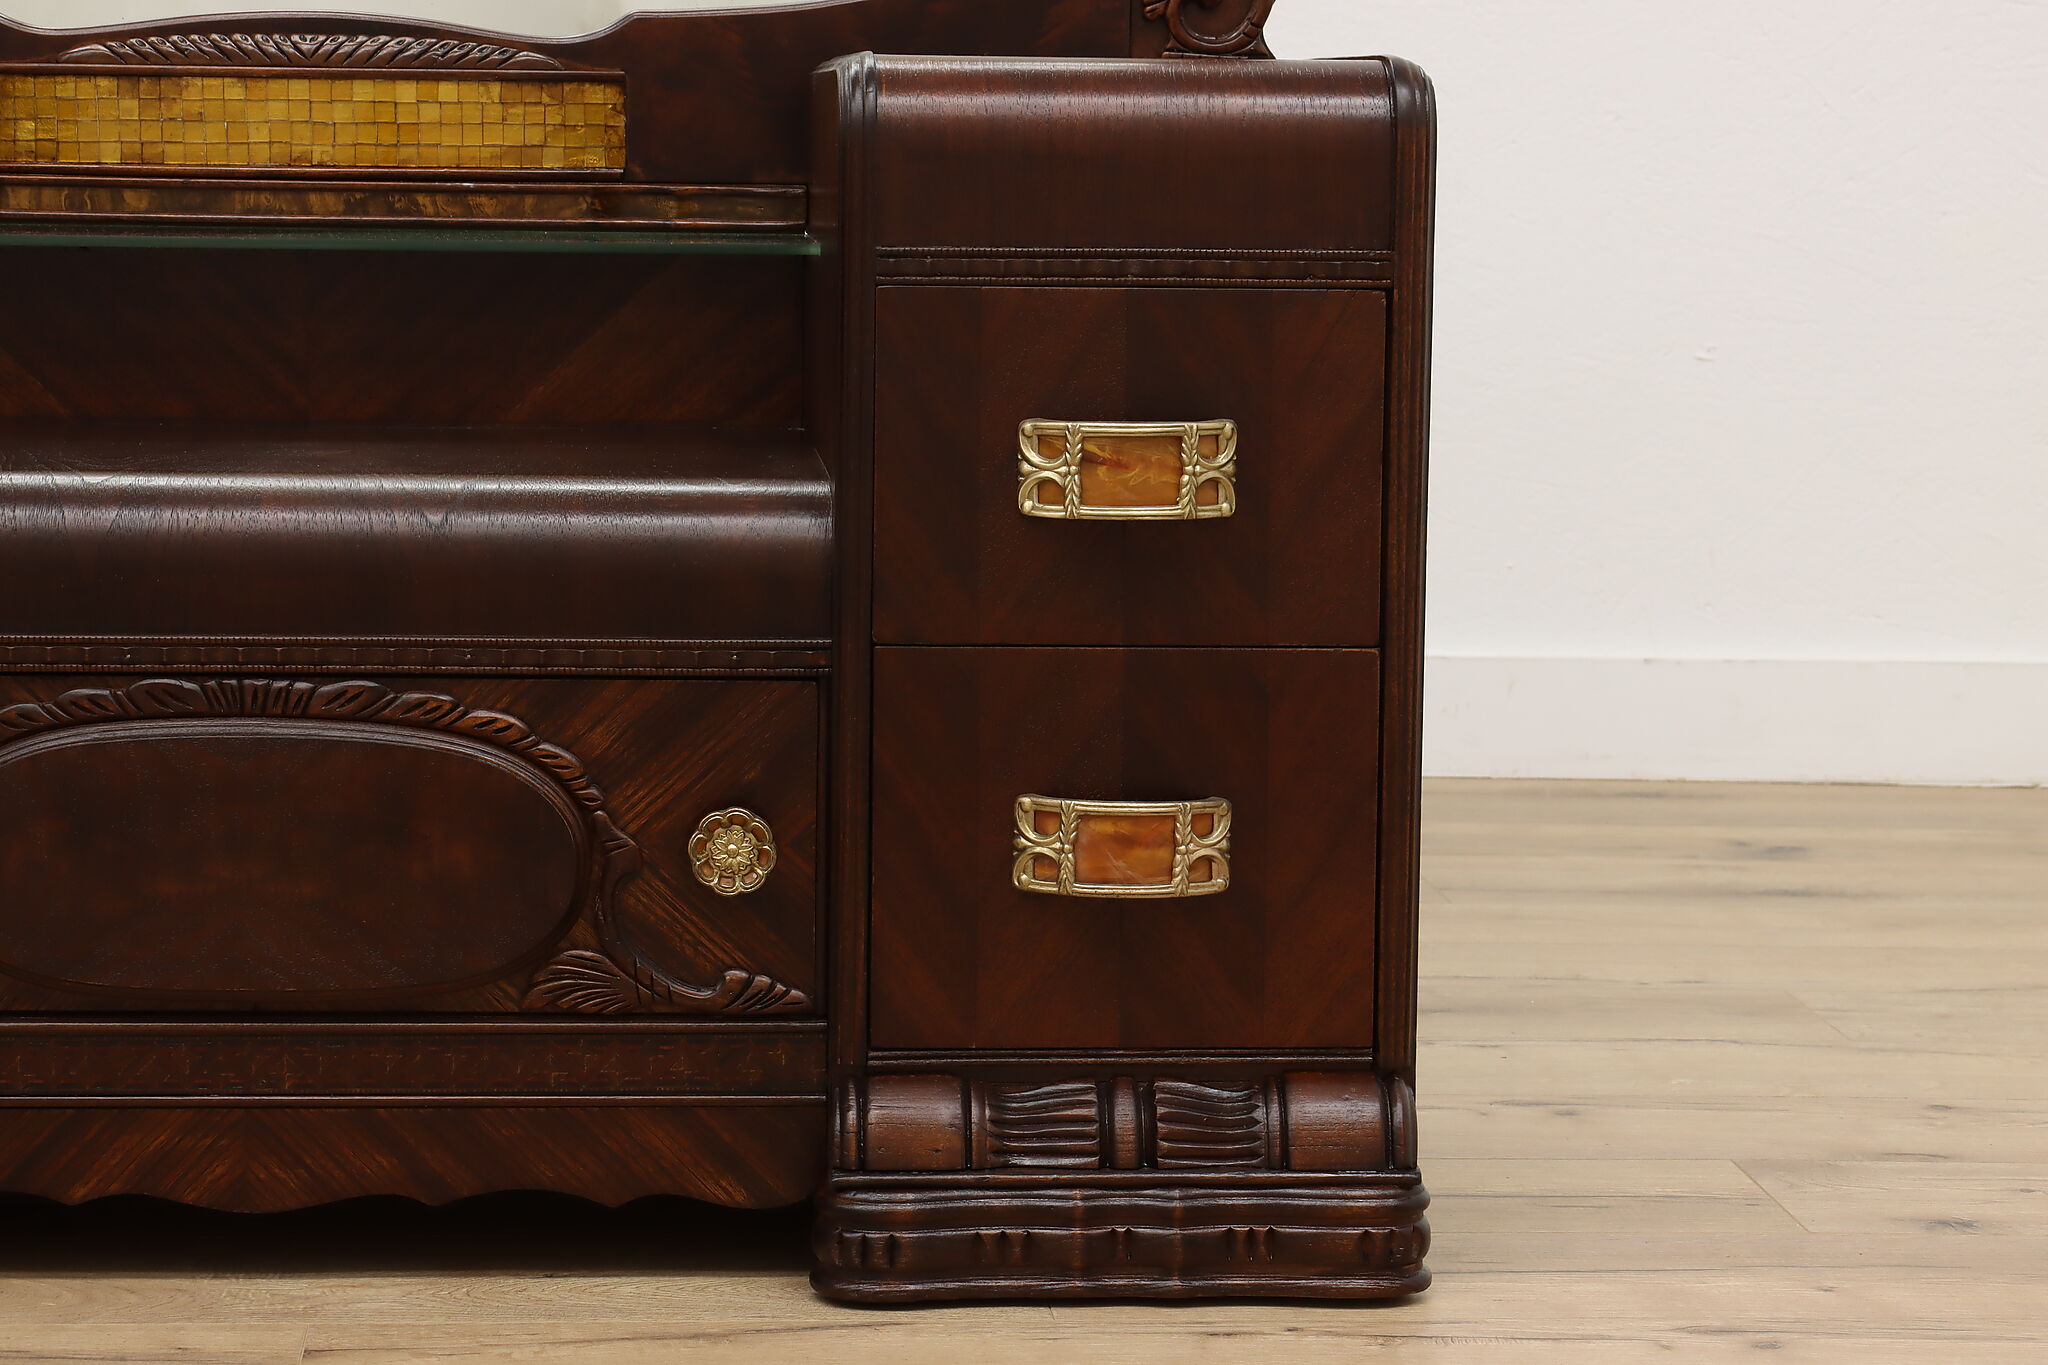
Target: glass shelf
x=545 y=241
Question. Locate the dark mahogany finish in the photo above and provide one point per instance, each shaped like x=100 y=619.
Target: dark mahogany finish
x=257 y=857
x=523 y=678
x=1186 y=155
x=1282 y=960
x=1175 y=1095
x=282 y=848
x=1297 y=565
x=587 y=532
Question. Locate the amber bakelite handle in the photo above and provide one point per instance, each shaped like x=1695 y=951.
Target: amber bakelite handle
x=1127 y=471
x=1125 y=850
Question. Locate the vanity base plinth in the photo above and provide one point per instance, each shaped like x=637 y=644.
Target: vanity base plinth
x=908 y=1238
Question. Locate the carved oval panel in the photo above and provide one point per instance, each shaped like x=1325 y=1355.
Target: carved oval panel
x=252 y=857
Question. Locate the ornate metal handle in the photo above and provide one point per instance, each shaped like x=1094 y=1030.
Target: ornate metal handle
x=1127 y=471
x=1126 y=850
x=733 y=851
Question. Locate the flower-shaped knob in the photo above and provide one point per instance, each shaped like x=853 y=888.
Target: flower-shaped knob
x=733 y=851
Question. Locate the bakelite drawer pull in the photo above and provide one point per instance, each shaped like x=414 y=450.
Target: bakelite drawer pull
x=1127 y=471
x=1122 y=849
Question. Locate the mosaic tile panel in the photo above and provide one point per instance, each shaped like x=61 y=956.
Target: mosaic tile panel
x=312 y=121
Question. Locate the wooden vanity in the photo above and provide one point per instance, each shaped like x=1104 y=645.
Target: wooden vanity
x=701 y=611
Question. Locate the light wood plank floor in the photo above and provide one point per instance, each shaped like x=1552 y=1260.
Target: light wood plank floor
x=1714 y=1073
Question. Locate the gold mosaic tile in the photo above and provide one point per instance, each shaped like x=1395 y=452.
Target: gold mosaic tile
x=313 y=121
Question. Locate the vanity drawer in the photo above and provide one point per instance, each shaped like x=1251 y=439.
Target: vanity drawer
x=1228 y=489
x=359 y=845
x=1101 y=848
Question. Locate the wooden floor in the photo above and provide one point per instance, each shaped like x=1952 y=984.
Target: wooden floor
x=1714 y=1073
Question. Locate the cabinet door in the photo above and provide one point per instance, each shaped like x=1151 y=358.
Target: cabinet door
x=472 y=845
x=964 y=957
x=1143 y=411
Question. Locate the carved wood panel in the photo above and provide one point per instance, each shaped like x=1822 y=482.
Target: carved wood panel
x=642 y=935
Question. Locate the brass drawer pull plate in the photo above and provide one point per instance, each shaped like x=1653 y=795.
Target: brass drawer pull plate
x=1123 y=850
x=1127 y=471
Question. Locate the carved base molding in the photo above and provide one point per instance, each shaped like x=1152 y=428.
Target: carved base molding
x=1295 y=1184
x=1299 y=1121
x=895 y=1238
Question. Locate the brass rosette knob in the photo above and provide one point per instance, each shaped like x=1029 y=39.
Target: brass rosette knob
x=733 y=851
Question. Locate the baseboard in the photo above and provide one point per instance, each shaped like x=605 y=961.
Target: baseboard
x=1739 y=720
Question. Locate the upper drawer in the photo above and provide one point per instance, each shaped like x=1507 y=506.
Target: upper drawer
x=1113 y=154
x=1299 y=376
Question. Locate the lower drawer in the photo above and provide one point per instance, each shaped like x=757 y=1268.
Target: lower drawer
x=1196 y=869
x=220 y=843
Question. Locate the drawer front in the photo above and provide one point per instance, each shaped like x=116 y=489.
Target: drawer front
x=1095 y=848
x=224 y=843
x=1129 y=467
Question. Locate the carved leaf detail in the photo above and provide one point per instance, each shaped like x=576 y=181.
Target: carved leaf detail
x=1202 y=1125
x=585 y=982
x=355 y=700
x=371 y=51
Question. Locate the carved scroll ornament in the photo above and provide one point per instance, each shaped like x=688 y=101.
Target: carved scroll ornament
x=1192 y=38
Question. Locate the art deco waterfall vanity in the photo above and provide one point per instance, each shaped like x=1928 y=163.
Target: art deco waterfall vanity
x=700 y=611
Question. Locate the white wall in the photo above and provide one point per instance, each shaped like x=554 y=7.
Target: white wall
x=1743 y=327
x=1743 y=331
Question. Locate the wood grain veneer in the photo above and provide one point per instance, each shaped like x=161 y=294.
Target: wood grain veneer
x=532 y=662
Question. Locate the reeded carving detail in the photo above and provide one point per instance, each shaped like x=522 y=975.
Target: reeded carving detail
x=1209 y=1125
x=368 y=52
x=1058 y=1125
x=1247 y=39
x=612 y=981
x=1302 y=1121
x=733 y=852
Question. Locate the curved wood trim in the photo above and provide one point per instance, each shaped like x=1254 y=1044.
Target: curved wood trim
x=1408 y=381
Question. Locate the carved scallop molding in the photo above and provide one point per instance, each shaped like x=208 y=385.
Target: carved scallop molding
x=324 y=50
